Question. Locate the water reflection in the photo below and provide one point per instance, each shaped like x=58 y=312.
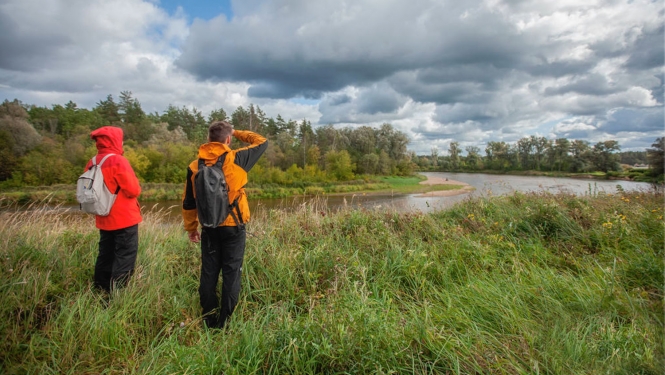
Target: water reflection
x=484 y=184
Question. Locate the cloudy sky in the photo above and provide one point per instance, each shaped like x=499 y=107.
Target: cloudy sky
x=470 y=71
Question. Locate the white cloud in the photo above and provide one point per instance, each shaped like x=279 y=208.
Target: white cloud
x=470 y=71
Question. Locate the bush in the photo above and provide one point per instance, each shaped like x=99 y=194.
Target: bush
x=314 y=190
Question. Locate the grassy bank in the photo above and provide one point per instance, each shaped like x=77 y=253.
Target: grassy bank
x=629 y=174
x=525 y=284
x=62 y=194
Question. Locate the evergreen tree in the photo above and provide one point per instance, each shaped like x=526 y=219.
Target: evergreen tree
x=108 y=110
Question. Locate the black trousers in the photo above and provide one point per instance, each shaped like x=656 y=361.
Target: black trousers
x=117 y=257
x=222 y=249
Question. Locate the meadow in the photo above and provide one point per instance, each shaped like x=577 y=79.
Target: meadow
x=520 y=284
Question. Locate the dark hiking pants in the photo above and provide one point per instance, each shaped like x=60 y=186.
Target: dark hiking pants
x=117 y=257
x=222 y=249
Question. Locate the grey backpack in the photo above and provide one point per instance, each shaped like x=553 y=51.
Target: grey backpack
x=212 y=195
x=91 y=191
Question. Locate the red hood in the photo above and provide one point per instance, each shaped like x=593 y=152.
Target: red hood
x=108 y=139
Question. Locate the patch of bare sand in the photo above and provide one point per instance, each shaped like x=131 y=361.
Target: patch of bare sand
x=445 y=193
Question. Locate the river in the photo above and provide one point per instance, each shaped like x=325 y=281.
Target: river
x=483 y=184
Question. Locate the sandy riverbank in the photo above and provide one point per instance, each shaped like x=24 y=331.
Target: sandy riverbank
x=465 y=188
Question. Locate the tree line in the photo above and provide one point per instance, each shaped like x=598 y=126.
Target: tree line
x=542 y=154
x=47 y=146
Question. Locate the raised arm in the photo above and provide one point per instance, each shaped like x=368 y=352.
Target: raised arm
x=246 y=157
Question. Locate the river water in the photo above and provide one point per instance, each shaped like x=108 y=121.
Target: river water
x=484 y=185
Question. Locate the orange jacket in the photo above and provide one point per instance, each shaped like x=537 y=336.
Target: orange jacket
x=118 y=176
x=236 y=165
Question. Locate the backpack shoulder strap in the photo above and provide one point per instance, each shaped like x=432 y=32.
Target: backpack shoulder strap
x=236 y=218
x=103 y=160
x=219 y=163
x=221 y=159
x=234 y=205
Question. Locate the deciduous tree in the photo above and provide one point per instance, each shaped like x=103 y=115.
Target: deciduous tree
x=656 y=157
x=604 y=157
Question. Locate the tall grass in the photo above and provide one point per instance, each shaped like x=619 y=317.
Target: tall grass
x=524 y=284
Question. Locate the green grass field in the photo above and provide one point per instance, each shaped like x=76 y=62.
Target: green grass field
x=524 y=284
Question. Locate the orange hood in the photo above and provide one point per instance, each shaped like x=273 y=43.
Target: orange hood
x=212 y=150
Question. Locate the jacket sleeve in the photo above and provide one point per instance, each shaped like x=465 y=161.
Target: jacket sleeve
x=189 y=213
x=246 y=157
x=127 y=180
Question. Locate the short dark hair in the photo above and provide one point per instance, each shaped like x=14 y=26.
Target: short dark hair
x=219 y=130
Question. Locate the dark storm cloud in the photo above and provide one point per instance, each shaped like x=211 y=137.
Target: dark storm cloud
x=460 y=113
x=483 y=72
x=648 y=51
x=273 y=62
x=467 y=83
x=291 y=57
x=339 y=99
x=71 y=83
x=380 y=100
x=366 y=105
x=540 y=67
x=644 y=120
x=26 y=48
x=447 y=93
x=268 y=89
x=288 y=78
x=659 y=90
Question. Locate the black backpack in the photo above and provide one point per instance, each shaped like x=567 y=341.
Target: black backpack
x=212 y=195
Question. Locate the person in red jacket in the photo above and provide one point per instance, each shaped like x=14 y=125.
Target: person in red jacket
x=119 y=231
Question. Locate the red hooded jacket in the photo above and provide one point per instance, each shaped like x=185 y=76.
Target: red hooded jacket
x=117 y=173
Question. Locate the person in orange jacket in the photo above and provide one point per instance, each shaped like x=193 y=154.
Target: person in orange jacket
x=223 y=247
x=118 y=232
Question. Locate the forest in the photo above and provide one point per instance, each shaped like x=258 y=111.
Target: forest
x=47 y=146
x=41 y=146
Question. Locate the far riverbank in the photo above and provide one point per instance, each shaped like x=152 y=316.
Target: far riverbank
x=628 y=174
x=158 y=192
